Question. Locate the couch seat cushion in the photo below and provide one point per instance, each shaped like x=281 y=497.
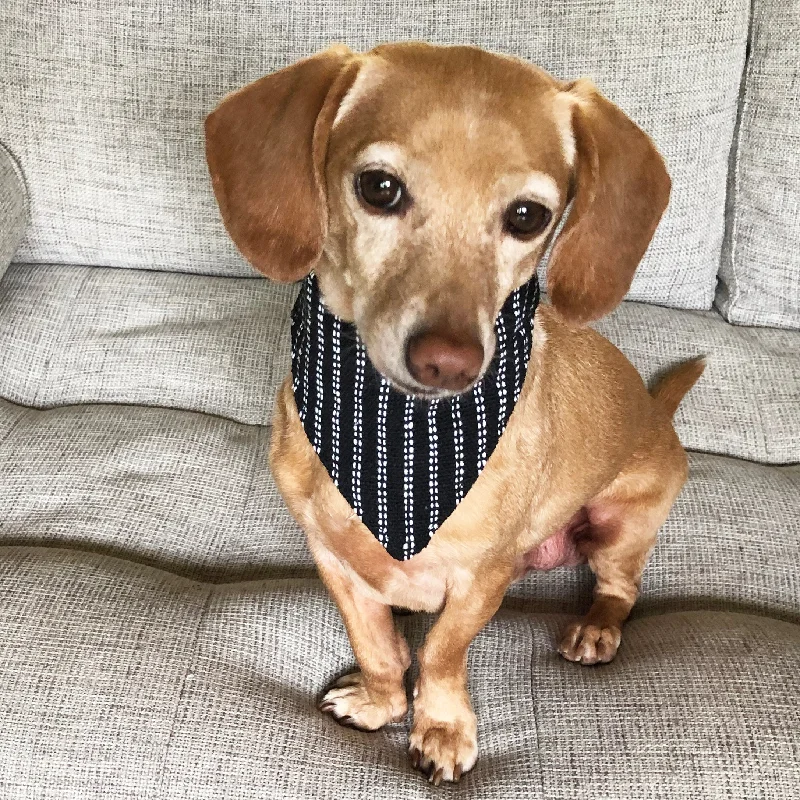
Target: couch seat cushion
x=120 y=681
x=72 y=335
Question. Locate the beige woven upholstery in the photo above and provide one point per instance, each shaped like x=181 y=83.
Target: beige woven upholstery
x=164 y=634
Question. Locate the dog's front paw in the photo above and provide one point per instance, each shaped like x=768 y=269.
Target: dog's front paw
x=444 y=751
x=353 y=703
x=590 y=644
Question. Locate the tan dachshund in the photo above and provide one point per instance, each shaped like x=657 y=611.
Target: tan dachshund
x=589 y=463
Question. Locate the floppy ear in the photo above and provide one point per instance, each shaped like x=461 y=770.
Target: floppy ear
x=621 y=190
x=266 y=146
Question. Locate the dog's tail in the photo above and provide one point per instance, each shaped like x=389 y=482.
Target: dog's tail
x=670 y=388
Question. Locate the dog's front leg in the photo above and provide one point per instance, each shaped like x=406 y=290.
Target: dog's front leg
x=375 y=695
x=443 y=741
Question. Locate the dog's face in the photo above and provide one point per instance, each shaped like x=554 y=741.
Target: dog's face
x=442 y=191
x=423 y=185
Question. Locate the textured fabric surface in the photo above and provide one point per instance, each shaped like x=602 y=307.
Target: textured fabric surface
x=73 y=335
x=13 y=208
x=186 y=491
x=91 y=668
x=747 y=403
x=82 y=334
x=119 y=681
x=104 y=101
x=760 y=270
x=192 y=494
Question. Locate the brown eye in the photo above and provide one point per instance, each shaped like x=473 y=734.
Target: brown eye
x=525 y=218
x=381 y=190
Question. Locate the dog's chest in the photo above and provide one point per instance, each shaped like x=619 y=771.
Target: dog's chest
x=402 y=464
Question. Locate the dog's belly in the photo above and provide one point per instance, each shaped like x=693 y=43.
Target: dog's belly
x=562 y=548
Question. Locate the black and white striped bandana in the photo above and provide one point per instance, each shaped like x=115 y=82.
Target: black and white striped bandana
x=403 y=464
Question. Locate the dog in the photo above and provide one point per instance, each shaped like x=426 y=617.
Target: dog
x=421 y=185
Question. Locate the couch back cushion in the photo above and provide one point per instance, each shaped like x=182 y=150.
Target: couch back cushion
x=760 y=271
x=13 y=208
x=104 y=103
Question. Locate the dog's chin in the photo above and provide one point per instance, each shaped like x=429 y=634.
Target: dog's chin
x=419 y=392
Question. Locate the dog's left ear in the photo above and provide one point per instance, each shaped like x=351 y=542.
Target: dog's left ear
x=266 y=146
x=621 y=190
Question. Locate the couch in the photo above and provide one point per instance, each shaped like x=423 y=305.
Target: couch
x=162 y=630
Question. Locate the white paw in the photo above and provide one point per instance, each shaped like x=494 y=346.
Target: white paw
x=444 y=751
x=590 y=644
x=352 y=703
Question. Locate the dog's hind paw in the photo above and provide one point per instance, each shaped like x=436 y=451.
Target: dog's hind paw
x=351 y=702
x=590 y=644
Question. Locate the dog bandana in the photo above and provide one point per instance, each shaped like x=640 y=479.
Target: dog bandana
x=403 y=464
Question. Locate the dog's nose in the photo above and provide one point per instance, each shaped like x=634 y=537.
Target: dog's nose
x=443 y=361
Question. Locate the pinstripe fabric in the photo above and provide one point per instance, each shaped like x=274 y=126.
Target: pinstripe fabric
x=383 y=459
x=358 y=419
x=337 y=399
x=407 y=463
x=502 y=392
x=433 y=468
x=408 y=478
x=458 y=450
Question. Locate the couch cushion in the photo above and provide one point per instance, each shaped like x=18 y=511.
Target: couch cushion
x=82 y=334
x=92 y=703
x=747 y=403
x=192 y=493
x=13 y=208
x=104 y=101
x=185 y=491
x=760 y=271
x=119 y=681
x=221 y=346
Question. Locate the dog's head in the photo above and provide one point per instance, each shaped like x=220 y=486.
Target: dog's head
x=423 y=184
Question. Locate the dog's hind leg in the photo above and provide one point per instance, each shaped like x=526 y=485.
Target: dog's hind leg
x=623 y=522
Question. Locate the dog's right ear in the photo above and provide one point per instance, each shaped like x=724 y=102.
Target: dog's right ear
x=622 y=189
x=266 y=146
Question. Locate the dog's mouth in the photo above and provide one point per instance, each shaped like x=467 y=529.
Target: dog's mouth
x=424 y=393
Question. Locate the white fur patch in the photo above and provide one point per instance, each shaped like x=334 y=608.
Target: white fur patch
x=369 y=77
x=377 y=236
x=542 y=187
x=563 y=105
x=511 y=252
x=382 y=154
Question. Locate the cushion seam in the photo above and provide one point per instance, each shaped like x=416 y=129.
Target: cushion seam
x=743 y=108
x=189 y=671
